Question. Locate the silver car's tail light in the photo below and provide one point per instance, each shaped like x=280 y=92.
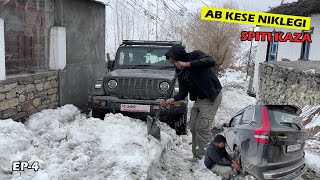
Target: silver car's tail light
x=261 y=134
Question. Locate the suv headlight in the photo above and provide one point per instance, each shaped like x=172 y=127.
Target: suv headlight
x=112 y=84
x=164 y=86
x=97 y=88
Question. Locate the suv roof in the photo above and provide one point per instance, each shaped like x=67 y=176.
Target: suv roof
x=291 y=108
x=148 y=43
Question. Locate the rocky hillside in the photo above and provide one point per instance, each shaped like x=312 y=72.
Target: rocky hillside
x=311 y=120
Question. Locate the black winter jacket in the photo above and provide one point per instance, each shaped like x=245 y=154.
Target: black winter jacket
x=201 y=73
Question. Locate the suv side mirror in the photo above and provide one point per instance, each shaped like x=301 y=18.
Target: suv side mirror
x=110 y=62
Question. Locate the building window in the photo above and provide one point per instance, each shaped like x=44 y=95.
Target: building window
x=272 y=50
x=26 y=29
x=305 y=50
x=305 y=47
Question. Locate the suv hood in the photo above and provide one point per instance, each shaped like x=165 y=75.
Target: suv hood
x=147 y=73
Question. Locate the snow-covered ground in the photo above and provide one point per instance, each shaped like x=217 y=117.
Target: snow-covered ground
x=69 y=145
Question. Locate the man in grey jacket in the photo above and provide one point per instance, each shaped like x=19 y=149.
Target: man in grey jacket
x=218 y=160
x=199 y=79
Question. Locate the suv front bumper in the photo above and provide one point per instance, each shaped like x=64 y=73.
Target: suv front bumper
x=109 y=104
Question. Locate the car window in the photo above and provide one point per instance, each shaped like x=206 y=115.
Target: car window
x=153 y=57
x=247 y=116
x=236 y=120
x=283 y=116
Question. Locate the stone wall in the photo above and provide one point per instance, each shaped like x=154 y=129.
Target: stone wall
x=295 y=83
x=25 y=95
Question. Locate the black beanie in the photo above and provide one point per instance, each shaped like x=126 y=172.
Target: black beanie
x=177 y=52
x=219 y=138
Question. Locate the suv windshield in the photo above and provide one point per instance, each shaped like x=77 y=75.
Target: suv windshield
x=140 y=57
x=283 y=115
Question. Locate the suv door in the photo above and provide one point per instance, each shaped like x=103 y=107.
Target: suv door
x=229 y=133
x=244 y=132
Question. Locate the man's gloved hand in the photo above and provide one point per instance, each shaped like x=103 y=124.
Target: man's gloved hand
x=166 y=102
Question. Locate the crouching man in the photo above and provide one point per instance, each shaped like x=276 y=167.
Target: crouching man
x=218 y=160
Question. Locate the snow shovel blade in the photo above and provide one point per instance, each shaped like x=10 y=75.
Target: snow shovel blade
x=150 y=121
x=153 y=127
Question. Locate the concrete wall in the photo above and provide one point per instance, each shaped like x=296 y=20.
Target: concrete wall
x=314 y=47
x=288 y=50
x=23 y=96
x=295 y=83
x=85 y=36
x=260 y=57
x=2 y=52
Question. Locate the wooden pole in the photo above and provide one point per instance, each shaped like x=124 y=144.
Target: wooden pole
x=249 y=57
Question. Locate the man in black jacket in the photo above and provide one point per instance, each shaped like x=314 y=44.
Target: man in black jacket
x=199 y=79
x=218 y=160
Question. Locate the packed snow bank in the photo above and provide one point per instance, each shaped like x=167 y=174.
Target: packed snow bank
x=173 y=166
x=234 y=97
x=68 y=145
x=313 y=161
x=234 y=77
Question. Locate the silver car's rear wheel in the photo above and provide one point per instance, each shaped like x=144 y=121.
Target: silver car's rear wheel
x=237 y=157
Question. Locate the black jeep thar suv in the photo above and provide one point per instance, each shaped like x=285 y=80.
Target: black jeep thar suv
x=137 y=81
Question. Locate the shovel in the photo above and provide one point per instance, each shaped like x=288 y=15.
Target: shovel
x=153 y=123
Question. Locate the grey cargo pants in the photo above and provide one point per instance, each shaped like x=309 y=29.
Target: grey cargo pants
x=201 y=123
x=224 y=171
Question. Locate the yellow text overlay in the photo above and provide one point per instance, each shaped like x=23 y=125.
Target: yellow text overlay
x=255 y=18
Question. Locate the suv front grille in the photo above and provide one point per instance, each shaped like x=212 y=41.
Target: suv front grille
x=137 y=88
